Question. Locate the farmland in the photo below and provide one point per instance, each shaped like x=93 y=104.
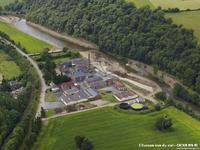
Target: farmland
x=8 y=68
x=190 y=20
x=141 y=3
x=105 y=128
x=32 y=44
x=181 y=4
x=6 y=2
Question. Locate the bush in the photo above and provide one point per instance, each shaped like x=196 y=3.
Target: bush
x=163 y=123
x=83 y=143
x=161 y=96
x=157 y=107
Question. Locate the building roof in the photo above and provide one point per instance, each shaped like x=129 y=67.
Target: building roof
x=80 y=61
x=93 y=78
x=76 y=74
x=119 y=84
x=67 y=85
x=80 y=95
x=71 y=91
x=125 y=94
x=91 y=92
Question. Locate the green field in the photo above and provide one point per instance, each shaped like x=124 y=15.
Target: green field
x=50 y=97
x=6 y=2
x=112 y=130
x=181 y=4
x=32 y=44
x=141 y=3
x=8 y=68
x=108 y=96
x=190 y=20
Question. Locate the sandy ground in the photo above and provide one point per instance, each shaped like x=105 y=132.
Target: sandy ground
x=107 y=65
x=99 y=102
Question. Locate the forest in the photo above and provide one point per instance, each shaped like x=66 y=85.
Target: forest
x=17 y=115
x=121 y=29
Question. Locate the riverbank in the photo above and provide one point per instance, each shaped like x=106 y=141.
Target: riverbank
x=76 y=41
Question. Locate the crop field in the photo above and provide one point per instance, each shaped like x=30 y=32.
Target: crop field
x=6 y=2
x=109 y=129
x=32 y=44
x=141 y=3
x=8 y=68
x=181 y=4
x=190 y=20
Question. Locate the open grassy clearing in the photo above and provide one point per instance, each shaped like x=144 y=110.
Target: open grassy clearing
x=6 y=2
x=50 y=97
x=141 y=3
x=32 y=44
x=109 y=129
x=190 y=20
x=50 y=112
x=8 y=68
x=181 y=4
x=108 y=96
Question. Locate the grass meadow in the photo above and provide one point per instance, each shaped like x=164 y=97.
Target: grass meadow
x=181 y=4
x=141 y=3
x=8 y=68
x=109 y=129
x=6 y=2
x=190 y=20
x=32 y=44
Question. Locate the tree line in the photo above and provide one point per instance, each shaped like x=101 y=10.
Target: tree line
x=17 y=116
x=187 y=95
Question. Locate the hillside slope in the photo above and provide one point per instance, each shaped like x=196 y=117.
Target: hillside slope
x=121 y=29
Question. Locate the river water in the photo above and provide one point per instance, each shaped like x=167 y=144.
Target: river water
x=22 y=25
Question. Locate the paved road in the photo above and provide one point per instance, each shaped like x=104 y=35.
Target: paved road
x=40 y=74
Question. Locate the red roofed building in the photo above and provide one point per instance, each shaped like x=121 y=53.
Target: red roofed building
x=126 y=95
x=120 y=86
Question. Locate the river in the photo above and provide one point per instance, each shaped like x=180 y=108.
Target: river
x=56 y=39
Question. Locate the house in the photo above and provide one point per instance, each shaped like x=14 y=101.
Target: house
x=71 y=91
x=64 y=67
x=55 y=89
x=80 y=62
x=16 y=92
x=79 y=95
x=75 y=64
x=126 y=95
x=96 y=82
x=119 y=85
x=77 y=76
x=68 y=85
x=14 y=85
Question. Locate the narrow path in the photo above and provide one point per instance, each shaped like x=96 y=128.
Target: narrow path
x=66 y=113
x=40 y=74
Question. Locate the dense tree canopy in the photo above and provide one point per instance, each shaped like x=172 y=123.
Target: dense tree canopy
x=119 y=28
x=17 y=114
